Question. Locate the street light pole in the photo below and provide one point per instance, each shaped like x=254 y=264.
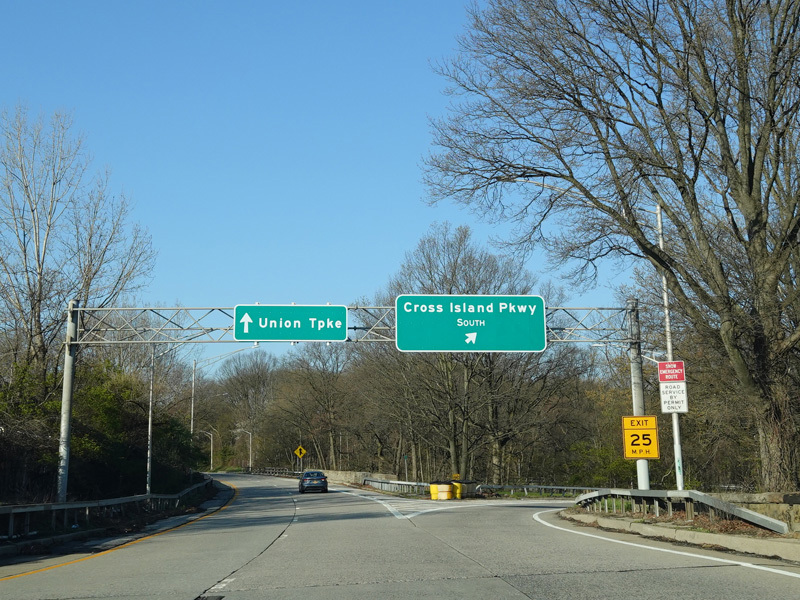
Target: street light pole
x=208 y=361
x=250 y=461
x=150 y=411
x=211 y=437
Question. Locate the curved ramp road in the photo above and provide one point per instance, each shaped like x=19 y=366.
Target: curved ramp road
x=271 y=542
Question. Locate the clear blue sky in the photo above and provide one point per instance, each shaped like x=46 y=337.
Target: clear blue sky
x=272 y=149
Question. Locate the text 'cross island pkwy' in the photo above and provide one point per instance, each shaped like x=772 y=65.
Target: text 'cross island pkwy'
x=453 y=323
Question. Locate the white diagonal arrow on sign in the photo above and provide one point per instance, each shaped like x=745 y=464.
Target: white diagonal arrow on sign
x=471 y=337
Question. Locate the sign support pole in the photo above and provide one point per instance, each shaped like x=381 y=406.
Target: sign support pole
x=676 y=424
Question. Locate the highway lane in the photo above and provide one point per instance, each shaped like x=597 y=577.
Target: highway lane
x=271 y=542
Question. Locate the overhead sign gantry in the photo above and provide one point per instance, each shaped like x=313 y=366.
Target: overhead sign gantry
x=469 y=328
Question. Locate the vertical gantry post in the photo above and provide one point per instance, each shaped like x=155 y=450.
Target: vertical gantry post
x=150 y=423
x=191 y=414
x=70 y=348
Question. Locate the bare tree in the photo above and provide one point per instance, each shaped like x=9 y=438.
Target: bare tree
x=249 y=382
x=319 y=370
x=444 y=387
x=63 y=235
x=598 y=111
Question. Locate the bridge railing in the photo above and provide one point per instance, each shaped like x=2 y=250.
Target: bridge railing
x=26 y=520
x=415 y=487
x=654 y=501
x=398 y=487
x=537 y=490
x=276 y=472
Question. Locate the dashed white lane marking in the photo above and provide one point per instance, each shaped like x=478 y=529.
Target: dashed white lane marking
x=221 y=585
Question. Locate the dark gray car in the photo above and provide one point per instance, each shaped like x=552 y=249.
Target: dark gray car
x=313 y=480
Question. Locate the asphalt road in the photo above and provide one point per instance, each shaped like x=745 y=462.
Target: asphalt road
x=271 y=542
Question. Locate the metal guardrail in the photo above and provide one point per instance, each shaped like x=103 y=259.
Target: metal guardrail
x=66 y=516
x=401 y=487
x=654 y=501
x=540 y=490
x=415 y=487
x=276 y=472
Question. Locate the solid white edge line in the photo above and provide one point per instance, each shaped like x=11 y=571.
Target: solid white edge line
x=667 y=550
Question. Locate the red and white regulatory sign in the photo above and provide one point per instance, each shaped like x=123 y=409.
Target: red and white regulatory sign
x=671 y=371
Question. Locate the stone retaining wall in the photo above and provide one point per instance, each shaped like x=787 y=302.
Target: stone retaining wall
x=784 y=507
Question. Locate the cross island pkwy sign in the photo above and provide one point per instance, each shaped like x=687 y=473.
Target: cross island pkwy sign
x=451 y=323
x=289 y=323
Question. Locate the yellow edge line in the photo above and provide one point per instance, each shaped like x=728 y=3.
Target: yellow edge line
x=131 y=543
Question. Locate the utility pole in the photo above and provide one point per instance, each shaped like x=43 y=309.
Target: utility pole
x=637 y=383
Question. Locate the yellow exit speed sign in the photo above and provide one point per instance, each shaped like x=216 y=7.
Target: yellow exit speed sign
x=640 y=437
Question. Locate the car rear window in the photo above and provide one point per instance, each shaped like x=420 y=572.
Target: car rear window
x=314 y=474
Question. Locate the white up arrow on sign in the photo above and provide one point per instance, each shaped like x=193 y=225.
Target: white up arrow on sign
x=246 y=320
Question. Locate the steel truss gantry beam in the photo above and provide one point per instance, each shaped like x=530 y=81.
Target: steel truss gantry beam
x=204 y=325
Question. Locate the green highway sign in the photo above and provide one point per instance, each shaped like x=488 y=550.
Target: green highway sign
x=451 y=323
x=289 y=323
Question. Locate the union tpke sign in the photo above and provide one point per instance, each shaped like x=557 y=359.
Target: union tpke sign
x=289 y=323
x=470 y=323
